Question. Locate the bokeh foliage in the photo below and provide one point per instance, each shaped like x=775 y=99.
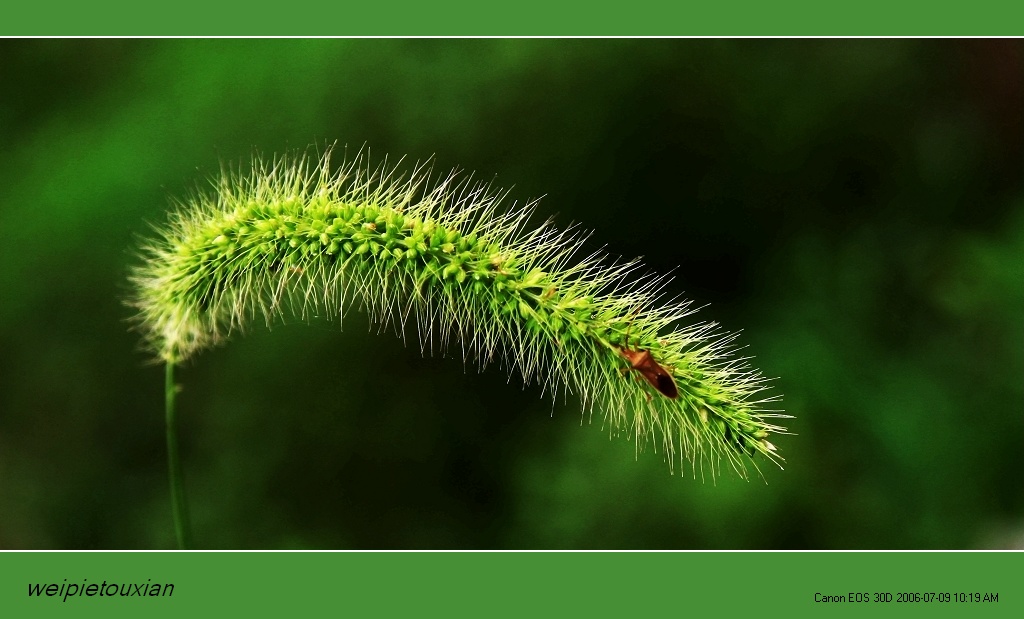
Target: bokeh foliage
x=855 y=206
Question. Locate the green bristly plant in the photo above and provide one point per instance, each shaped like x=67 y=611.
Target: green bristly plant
x=291 y=237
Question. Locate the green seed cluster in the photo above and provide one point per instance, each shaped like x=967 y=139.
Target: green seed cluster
x=291 y=237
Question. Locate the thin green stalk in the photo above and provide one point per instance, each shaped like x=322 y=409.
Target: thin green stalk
x=181 y=525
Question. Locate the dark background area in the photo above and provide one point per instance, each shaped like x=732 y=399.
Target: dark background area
x=856 y=207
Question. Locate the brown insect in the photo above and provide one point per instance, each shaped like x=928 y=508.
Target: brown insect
x=643 y=362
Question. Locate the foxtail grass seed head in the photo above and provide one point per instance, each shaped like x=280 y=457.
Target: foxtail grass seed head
x=289 y=236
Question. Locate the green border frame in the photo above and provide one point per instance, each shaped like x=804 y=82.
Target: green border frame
x=527 y=583
x=525 y=18
x=481 y=584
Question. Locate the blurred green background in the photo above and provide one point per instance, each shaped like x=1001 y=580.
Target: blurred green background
x=856 y=207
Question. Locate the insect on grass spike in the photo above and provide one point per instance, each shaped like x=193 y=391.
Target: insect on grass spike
x=293 y=236
x=643 y=362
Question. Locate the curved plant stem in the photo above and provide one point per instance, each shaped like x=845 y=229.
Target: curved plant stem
x=181 y=525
